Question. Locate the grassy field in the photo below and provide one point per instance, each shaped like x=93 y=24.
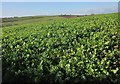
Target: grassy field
x=57 y=49
x=12 y=21
x=26 y=20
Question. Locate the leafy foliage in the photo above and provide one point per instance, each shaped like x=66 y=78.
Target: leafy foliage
x=77 y=49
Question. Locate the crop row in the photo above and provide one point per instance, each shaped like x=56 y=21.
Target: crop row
x=84 y=48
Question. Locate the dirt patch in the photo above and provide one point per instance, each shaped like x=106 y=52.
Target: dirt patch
x=72 y=16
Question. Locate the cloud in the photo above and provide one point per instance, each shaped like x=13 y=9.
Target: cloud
x=89 y=11
x=84 y=11
x=97 y=10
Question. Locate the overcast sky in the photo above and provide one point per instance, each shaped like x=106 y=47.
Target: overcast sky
x=56 y=8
